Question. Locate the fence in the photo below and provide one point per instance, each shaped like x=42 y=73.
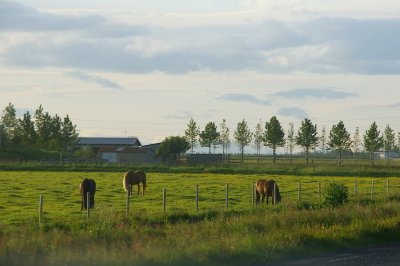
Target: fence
x=312 y=191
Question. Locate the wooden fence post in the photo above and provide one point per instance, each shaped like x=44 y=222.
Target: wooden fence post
x=355 y=188
x=372 y=188
x=275 y=193
x=197 y=198
x=127 y=202
x=387 y=187
x=164 y=198
x=88 y=204
x=40 y=208
x=226 y=196
x=252 y=194
x=319 y=189
x=299 y=192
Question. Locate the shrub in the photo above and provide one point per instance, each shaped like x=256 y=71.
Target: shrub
x=336 y=194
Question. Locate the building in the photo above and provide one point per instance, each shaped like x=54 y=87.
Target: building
x=127 y=155
x=98 y=143
x=382 y=155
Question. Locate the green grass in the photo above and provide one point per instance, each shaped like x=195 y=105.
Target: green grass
x=241 y=235
x=19 y=197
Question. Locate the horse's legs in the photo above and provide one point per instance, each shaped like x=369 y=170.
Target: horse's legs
x=138 y=188
x=263 y=197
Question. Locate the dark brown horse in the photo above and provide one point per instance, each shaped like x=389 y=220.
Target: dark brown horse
x=265 y=188
x=88 y=185
x=134 y=178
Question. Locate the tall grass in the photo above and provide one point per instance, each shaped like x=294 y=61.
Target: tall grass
x=253 y=236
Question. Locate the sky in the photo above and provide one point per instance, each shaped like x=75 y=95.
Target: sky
x=145 y=68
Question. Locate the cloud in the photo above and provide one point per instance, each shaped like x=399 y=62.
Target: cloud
x=293 y=112
x=18 y=17
x=105 y=83
x=82 y=40
x=184 y=115
x=315 y=93
x=247 y=98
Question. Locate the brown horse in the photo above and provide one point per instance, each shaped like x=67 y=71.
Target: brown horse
x=88 y=185
x=266 y=189
x=134 y=178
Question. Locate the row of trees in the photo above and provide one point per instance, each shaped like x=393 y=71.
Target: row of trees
x=273 y=136
x=41 y=131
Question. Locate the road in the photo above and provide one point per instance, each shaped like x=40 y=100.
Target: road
x=378 y=255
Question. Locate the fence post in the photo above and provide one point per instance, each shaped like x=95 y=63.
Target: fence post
x=319 y=189
x=226 y=196
x=88 y=204
x=299 y=192
x=274 y=193
x=127 y=202
x=355 y=188
x=164 y=198
x=197 y=198
x=252 y=194
x=40 y=208
x=387 y=187
x=372 y=188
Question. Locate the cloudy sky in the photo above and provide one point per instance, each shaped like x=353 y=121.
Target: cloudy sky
x=144 y=68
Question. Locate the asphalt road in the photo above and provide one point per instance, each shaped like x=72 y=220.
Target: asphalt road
x=379 y=255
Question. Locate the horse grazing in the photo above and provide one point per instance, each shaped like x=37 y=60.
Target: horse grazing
x=88 y=185
x=266 y=189
x=134 y=178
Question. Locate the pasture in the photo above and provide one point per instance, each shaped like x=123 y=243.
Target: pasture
x=19 y=196
x=239 y=235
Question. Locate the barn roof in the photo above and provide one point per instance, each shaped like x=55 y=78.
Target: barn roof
x=109 y=141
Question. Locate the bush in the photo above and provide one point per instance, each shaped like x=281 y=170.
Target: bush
x=336 y=194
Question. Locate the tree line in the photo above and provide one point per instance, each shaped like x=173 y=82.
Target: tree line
x=272 y=135
x=42 y=130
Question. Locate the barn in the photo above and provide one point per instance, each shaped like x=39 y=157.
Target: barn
x=98 y=143
x=127 y=155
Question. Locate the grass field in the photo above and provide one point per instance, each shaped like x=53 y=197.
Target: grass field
x=241 y=235
x=19 y=196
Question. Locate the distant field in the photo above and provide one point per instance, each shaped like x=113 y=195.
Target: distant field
x=20 y=191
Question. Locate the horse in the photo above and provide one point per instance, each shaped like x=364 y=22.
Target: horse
x=87 y=185
x=266 y=189
x=134 y=178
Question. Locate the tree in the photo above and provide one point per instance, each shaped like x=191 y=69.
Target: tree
x=373 y=141
x=274 y=136
x=192 y=133
x=356 y=143
x=290 y=140
x=43 y=127
x=171 y=147
x=389 y=139
x=258 y=138
x=322 y=141
x=210 y=136
x=9 y=125
x=26 y=131
x=339 y=139
x=243 y=136
x=307 y=136
x=224 y=138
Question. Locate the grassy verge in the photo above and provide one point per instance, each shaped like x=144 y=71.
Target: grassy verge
x=253 y=236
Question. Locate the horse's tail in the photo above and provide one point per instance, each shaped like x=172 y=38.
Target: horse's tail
x=125 y=183
x=258 y=195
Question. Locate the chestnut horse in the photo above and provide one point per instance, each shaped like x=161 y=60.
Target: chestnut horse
x=266 y=189
x=134 y=178
x=88 y=185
